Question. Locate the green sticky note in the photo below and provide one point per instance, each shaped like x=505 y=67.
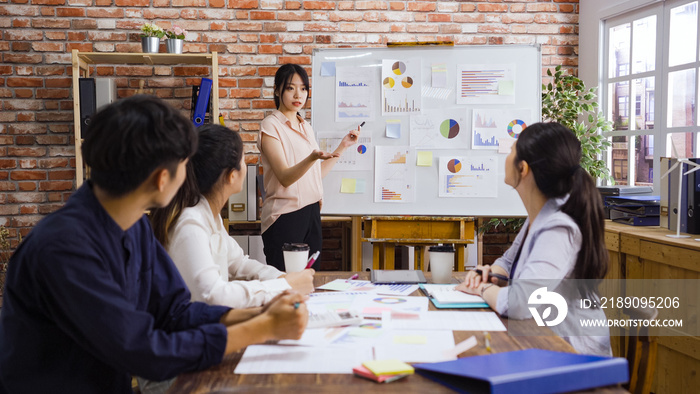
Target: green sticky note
x=348 y=185
x=424 y=158
x=337 y=285
x=360 y=185
x=411 y=339
x=506 y=88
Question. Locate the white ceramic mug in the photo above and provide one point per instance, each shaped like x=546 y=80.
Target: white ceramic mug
x=296 y=257
x=442 y=259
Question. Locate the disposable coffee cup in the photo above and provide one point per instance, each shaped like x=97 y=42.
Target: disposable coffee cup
x=442 y=259
x=295 y=257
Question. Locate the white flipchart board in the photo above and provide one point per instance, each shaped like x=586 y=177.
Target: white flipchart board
x=443 y=72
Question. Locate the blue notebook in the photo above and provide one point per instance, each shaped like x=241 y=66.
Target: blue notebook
x=439 y=305
x=527 y=371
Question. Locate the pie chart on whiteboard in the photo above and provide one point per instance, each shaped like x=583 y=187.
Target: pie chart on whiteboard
x=449 y=128
x=454 y=166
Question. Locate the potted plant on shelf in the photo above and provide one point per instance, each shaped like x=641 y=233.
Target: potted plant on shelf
x=150 y=37
x=175 y=39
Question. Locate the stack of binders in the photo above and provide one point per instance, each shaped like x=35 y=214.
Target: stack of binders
x=634 y=210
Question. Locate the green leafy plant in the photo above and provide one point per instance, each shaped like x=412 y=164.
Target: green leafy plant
x=152 y=30
x=176 y=32
x=567 y=100
x=4 y=255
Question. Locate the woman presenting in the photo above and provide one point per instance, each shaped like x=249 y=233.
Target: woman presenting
x=563 y=236
x=293 y=166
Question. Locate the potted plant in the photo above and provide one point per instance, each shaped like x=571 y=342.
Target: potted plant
x=150 y=37
x=175 y=39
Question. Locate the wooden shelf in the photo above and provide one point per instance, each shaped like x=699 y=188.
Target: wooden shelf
x=81 y=69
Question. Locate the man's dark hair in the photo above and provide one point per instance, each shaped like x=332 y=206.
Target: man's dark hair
x=133 y=137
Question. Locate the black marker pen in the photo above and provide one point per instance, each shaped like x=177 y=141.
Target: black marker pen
x=362 y=124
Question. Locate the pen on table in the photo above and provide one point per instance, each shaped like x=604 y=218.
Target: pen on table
x=312 y=259
x=487 y=341
x=353 y=277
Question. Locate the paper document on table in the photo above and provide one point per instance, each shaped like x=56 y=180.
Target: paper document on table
x=446 y=294
x=401 y=289
x=416 y=346
x=271 y=359
x=457 y=321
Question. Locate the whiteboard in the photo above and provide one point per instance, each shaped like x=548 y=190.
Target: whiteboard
x=365 y=84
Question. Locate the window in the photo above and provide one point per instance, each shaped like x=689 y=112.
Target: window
x=651 y=52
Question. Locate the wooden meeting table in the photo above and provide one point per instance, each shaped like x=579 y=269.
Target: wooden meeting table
x=222 y=379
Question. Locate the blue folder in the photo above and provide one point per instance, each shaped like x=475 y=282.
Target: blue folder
x=200 y=109
x=527 y=371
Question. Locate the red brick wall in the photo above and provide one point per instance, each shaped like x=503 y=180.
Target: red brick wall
x=252 y=37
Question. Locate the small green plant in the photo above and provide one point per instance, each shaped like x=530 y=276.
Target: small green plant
x=567 y=100
x=511 y=225
x=152 y=30
x=176 y=32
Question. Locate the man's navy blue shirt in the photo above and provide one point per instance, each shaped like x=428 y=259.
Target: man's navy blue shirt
x=86 y=305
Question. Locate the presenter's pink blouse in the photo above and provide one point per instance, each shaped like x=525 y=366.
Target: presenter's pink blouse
x=297 y=145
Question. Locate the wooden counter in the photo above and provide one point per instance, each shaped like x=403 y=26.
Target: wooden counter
x=647 y=253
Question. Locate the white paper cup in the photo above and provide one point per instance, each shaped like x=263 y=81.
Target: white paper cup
x=442 y=259
x=295 y=257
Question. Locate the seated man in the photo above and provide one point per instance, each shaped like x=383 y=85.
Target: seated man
x=91 y=297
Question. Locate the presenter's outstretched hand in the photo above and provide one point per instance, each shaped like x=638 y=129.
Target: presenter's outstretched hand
x=321 y=155
x=302 y=281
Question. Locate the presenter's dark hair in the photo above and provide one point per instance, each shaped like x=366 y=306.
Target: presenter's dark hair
x=219 y=152
x=133 y=137
x=283 y=77
x=553 y=152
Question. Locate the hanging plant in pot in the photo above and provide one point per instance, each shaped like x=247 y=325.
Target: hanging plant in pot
x=150 y=37
x=175 y=39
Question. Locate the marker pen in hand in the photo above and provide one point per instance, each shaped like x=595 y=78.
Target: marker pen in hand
x=362 y=124
x=312 y=259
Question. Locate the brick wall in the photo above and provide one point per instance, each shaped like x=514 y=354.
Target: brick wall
x=252 y=37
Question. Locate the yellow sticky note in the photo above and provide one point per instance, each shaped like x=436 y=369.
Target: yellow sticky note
x=506 y=88
x=424 y=158
x=411 y=339
x=388 y=367
x=347 y=185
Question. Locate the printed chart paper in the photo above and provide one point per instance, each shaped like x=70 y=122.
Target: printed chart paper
x=440 y=128
x=486 y=84
x=493 y=127
x=462 y=176
x=355 y=93
x=358 y=157
x=394 y=174
x=401 y=86
x=457 y=321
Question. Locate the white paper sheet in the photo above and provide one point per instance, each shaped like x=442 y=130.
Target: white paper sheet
x=457 y=321
x=271 y=359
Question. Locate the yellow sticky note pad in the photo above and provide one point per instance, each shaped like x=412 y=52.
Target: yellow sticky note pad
x=411 y=339
x=506 y=88
x=424 y=158
x=348 y=185
x=388 y=367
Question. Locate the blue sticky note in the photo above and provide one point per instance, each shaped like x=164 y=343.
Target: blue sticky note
x=393 y=130
x=328 y=69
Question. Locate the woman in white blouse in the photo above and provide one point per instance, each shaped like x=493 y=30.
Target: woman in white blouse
x=212 y=264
